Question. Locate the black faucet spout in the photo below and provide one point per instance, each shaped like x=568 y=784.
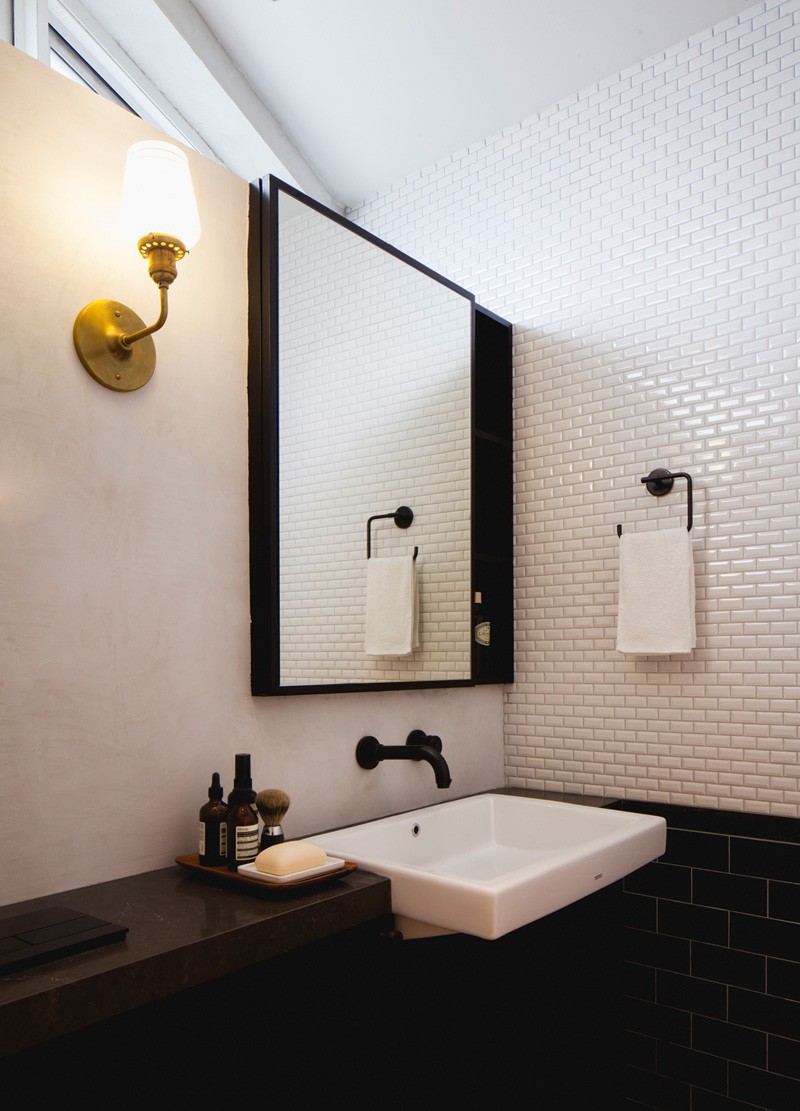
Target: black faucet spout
x=419 y=746
x=440 y=769
x=430 y=749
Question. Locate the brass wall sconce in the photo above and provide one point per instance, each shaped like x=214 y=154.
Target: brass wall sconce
x=112 y=342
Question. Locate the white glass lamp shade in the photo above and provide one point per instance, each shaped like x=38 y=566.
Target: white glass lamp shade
x=157 y=194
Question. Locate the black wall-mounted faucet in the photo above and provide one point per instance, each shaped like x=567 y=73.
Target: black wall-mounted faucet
x=419 y=746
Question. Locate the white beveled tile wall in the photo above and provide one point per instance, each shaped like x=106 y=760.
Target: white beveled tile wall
x=642 y=237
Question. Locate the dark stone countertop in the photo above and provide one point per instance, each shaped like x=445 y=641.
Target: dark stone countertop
x=182 y=932
x=556 y=796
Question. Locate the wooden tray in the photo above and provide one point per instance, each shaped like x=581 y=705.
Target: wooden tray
x=221 y=876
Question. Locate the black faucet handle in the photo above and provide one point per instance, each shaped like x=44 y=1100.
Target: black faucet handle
x=420 y=737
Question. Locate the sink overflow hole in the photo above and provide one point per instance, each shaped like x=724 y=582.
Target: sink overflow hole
x=415 y=829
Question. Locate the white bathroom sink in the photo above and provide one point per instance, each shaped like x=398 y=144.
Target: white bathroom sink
x=488 y=864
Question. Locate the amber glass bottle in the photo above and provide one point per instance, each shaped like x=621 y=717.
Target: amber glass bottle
x=242 y=817
x=213 y=831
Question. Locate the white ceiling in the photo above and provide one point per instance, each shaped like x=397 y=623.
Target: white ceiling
x=354 y=95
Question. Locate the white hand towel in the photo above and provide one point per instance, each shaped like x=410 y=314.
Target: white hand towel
x=656 y=593
x=392 y=606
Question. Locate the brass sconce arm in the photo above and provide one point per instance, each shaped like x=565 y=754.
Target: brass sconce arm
x=134 y=337
x=162 y=253
x=105 y=332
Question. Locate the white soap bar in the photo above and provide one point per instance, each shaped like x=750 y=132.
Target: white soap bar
x=290 y=856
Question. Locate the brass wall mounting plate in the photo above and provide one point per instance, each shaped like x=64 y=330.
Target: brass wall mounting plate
x=97 y=330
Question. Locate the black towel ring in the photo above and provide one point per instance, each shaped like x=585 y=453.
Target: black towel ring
x=660 y=482
x=403 y=516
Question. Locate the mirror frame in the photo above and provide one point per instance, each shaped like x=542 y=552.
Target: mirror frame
x=263 y=383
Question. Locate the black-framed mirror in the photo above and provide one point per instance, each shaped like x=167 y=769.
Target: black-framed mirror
x=361 y=403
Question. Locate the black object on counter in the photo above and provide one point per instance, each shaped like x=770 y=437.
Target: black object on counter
x=46 y=935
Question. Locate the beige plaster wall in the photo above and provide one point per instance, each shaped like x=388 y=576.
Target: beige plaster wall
x=124 y=609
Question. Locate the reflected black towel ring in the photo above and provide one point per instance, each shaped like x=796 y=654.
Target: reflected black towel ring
x=403 y=516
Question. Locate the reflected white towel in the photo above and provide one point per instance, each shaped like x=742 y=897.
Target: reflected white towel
x=392 y=606
x=656 y=592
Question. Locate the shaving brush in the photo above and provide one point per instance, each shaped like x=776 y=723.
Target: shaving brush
x=272 y=805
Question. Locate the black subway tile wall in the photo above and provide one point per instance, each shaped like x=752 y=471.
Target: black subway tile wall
x=712 y=952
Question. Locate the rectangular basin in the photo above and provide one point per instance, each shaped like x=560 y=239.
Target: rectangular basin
x=488 y=864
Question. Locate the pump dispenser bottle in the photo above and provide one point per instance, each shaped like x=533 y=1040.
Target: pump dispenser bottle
x=242 y=817
x=213 y=832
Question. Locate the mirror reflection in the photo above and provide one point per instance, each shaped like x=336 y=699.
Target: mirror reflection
x=373 y=395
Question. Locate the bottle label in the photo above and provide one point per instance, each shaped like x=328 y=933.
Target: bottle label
x=483 y=633
x=212 y=840
x=246 y=843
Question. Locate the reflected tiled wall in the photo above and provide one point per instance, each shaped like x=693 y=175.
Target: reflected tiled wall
x=642 y=236
x=375 y=413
